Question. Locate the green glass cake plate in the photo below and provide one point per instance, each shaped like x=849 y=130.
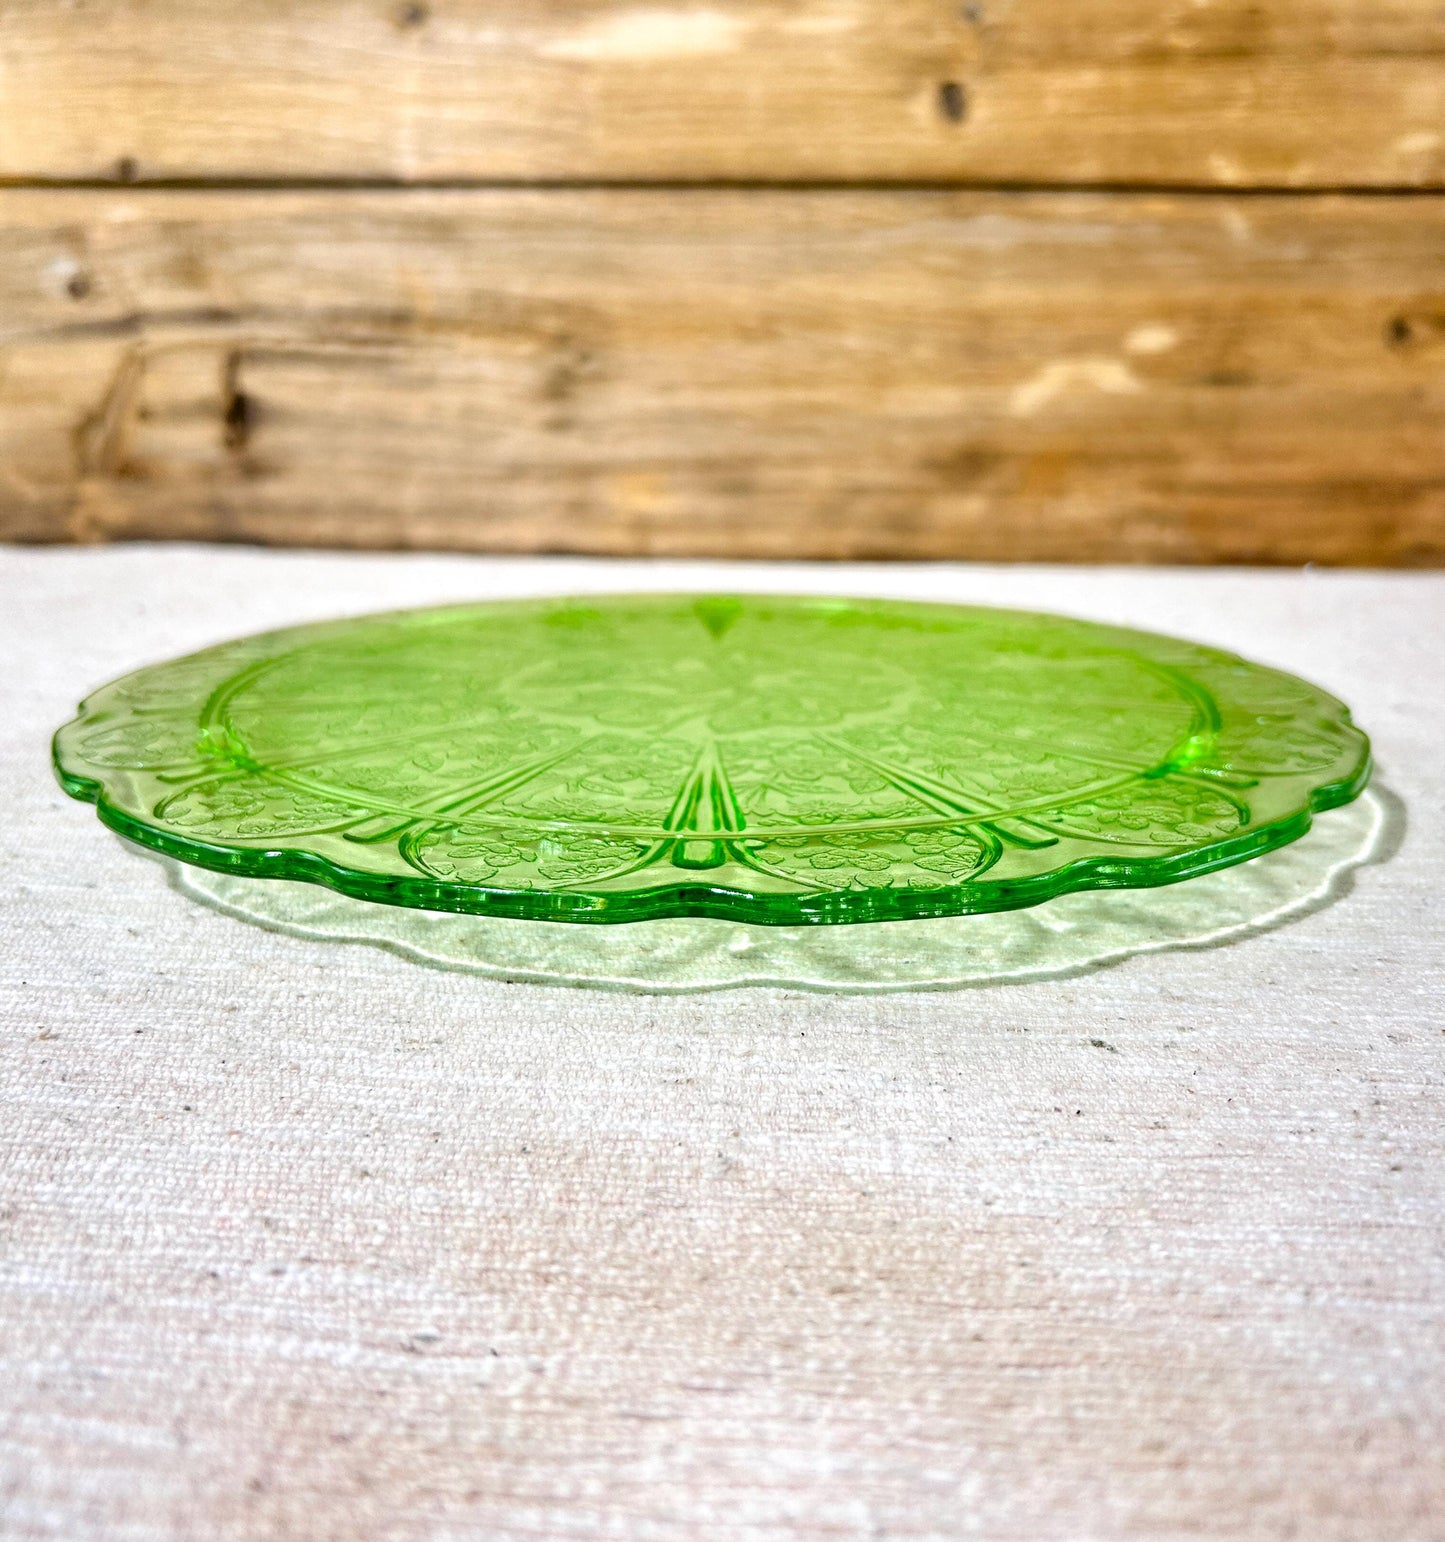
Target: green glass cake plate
x=769 y=759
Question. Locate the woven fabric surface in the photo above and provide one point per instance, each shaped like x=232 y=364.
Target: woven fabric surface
x=303 y=1242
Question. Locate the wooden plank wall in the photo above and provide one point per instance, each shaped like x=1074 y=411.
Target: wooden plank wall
x=1123 y=280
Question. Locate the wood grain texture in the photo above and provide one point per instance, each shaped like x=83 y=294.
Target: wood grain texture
x=822 y=374
x=1200 y=92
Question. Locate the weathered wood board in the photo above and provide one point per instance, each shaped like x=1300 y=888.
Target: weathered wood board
x=786 y=373
x=1308 y=93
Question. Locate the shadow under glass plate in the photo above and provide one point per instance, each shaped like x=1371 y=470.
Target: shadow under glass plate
x=771 y=760
x=1071 y=934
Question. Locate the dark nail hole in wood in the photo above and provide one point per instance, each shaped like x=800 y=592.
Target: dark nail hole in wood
x=126 y=169
x=1399 y=331
x=77 y=286
x=240 y=419
x=953 y=101
x=413 y=15
x=972 y=14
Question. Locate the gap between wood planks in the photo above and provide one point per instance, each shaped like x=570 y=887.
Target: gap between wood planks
x=709 y=185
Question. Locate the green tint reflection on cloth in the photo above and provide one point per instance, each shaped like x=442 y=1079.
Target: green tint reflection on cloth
x=1063 y=936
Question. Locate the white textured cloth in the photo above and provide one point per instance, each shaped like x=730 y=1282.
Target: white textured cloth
x=306 y=1243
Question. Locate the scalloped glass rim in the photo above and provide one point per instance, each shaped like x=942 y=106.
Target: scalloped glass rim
x=1066 y=936
x=685 y=898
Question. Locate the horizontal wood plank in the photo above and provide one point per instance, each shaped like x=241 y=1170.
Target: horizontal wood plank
x=1199 y=92
x=822 y=374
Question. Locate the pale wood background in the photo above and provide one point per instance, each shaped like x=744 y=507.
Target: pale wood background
x=1127 y=279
